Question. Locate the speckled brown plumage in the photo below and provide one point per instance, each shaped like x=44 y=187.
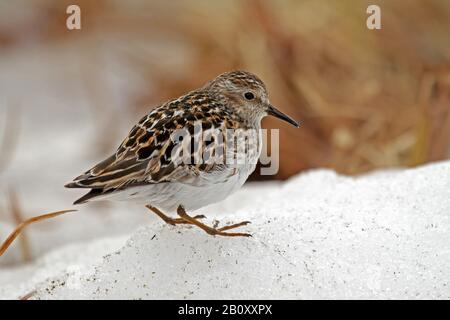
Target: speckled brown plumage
x=234 y=100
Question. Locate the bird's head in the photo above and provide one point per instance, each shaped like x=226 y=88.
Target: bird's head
x=247 y=94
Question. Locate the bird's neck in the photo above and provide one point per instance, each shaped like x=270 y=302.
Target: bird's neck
x=252 y=120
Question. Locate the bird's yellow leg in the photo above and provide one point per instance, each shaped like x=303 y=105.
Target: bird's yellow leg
x=169 y=220
x=210 y=230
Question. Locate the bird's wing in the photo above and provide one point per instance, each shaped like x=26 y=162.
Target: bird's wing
x=145 y=156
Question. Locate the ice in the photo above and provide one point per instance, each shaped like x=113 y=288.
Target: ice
x=317 y=235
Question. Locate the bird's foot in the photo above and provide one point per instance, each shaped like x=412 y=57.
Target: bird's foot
x=172 y=221
x=213 y=230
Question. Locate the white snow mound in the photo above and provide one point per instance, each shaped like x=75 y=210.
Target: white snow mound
x=318 y=235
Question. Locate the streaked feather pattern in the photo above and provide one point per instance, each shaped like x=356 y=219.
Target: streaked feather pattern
x=144 y=157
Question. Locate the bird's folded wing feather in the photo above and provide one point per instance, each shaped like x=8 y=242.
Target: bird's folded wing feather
x=144 y=157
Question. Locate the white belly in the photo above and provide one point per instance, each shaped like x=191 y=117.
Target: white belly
x=167 y=196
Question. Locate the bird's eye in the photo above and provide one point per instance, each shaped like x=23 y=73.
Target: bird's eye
x=249 y=96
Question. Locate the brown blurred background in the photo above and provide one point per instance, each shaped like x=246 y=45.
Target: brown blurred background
x=367 y=99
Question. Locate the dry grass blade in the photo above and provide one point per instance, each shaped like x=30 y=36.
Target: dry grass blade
x=18 y=218
x=28 y=295
x=25 y=223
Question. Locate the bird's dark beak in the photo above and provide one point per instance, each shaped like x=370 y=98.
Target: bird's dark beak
x=271 y=110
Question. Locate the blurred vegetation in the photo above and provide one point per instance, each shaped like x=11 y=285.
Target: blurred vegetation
x=366 y=98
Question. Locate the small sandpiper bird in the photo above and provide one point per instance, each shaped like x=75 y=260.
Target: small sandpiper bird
x=148 y=168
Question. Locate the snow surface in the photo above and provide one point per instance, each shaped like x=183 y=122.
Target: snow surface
x=318 y=235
